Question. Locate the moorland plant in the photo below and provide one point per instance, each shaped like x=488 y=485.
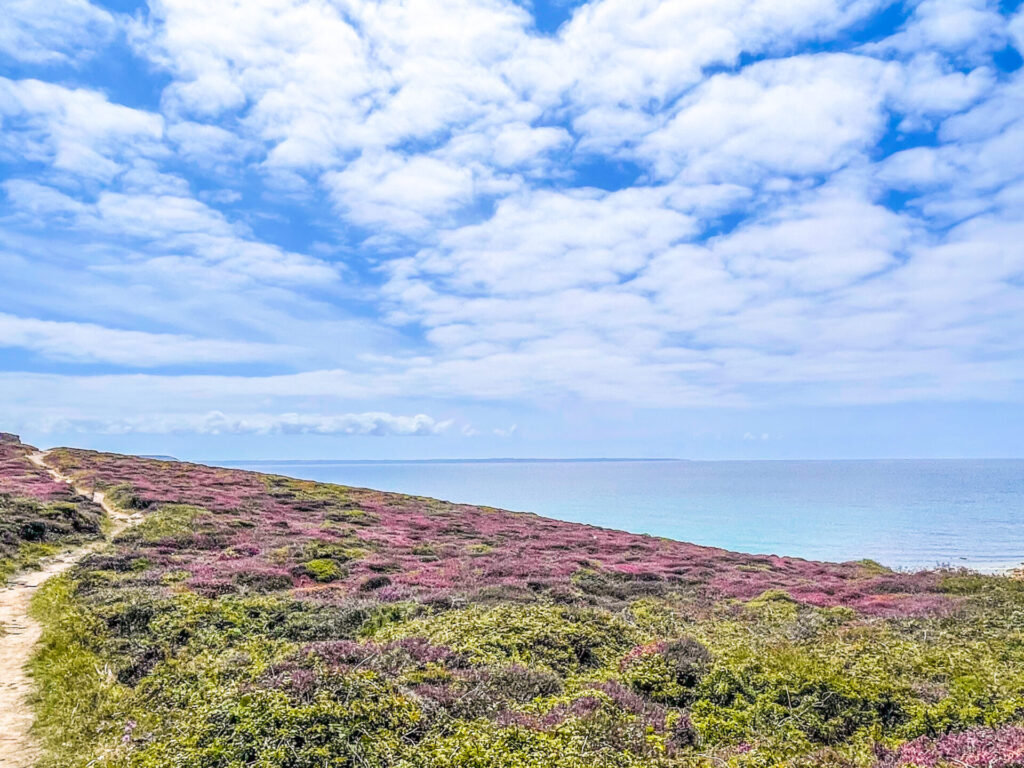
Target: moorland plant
x=256 y=620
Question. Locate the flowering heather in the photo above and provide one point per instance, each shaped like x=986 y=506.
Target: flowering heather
x=427 y=546
x=19 y=477
x=260 y=620
x=973 y=748
x=38 y=514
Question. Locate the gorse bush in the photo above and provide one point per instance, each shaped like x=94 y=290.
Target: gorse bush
x=262 y=621
x=323 y=569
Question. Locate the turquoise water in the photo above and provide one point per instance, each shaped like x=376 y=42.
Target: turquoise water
x=905 y=514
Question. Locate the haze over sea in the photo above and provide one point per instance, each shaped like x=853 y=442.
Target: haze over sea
x=902 y=513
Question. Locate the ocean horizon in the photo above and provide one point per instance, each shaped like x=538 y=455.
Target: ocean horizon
x=903 y=513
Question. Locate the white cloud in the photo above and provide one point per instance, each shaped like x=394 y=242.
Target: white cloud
x=321 y=84
x=960 y=27
x=801 y=115
x=518 y=143
x=54 y=31
x=980 y=152
x=87 y=342
x=156 y=216
x=1016 y=29
x=209 y=146
x=217 y=423
x=934 y=88
x=546 y=241
x=178 y=230
x=829 y=241
x=760 y=254
x=827 y=293
x=916 y=168
x=76 y=130
x=403 y=193
x=325 y=80
x=624 y=55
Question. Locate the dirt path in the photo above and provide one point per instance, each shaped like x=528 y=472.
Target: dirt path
x=21 y=633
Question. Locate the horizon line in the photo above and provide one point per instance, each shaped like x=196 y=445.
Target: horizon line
x=581 y=460
x=492 y=460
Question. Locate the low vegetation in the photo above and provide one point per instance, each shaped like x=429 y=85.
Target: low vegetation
x=260 y=621
x=38 y=515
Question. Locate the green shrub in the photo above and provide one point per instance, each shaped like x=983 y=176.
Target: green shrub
x=666 y=672
x=167 y=523
x=323 y=570
x=31 y=529
x=78 y=703
x=136 y=671
x=360 y=726
x=567 y=732
x=124 y=497
x=558 y=638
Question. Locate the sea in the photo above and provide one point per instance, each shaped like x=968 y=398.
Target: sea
x=905 y=514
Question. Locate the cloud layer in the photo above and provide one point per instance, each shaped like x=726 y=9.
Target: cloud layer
x=339 y=207
x=216 y=423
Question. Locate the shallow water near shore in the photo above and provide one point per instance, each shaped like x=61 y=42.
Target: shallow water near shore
x=902 y=513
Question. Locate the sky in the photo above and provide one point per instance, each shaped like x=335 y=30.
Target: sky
x=471 y=228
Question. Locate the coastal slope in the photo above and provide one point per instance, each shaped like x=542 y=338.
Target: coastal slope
x=45 y=527
x=260 y=620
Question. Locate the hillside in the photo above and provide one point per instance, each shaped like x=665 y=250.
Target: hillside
x=38 y=515
x=257 y=620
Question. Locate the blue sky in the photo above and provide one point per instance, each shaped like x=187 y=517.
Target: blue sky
x=465 y=228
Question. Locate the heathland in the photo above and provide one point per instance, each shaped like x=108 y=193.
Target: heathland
x=258 y=620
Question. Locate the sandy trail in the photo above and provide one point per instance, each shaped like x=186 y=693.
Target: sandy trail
x=22 y=633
